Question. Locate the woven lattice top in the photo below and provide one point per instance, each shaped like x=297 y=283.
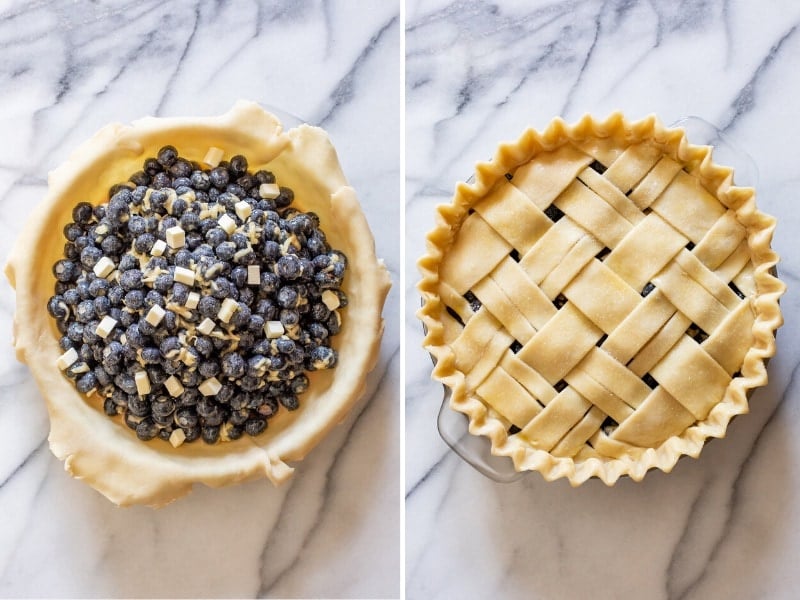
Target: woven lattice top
x=598 y=298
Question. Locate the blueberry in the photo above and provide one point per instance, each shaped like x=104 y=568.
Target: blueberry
x=137 y=225
x=299 y=384
x=269 y=282
x=256 y=323
x=170 y=348
x=238 y=165
x=186 y=417
x=225 y=393
x=285 y=198
x=192 y=433
x=152 y=298
x=180 y=293
x=289 y=401
x=288 y=267
x=86 y=383
x=289 y=316
x=233 y=365
x=134 y=299
x=208 y=368
x=208 y=306
x=150 y=355
x=333 y=324
x=102 y=306
x=109 y=407
x=247 y=295
x=85 y=312
x=183 y=258
x=210 y=433
x=241 y=317
x=66 y=271
x=57 y=307
x=321 y=357
x=144 y=243
x=288 y=297
x=126 y=383
x=140 y=178
x=284 y=345
x=82 y=213
x=216 y=236
x=256 y=365
x=131 y=280
x=225 y=250
x=255 y=425
x=118 y=210
x=267 y=309
x=167 y=156
x=203 y=346
x=163 y=282
x=181 y=168
x=146 y=429
x=82 y=287
x=219 y=177
x=190 y=378
x=200 y=181
x=162 y=406
x=152 y=166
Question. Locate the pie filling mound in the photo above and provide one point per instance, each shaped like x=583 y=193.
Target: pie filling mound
x=196 y=298
x=601 y=300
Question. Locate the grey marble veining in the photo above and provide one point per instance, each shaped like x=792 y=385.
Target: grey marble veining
x=68 y=68
x=723 y=526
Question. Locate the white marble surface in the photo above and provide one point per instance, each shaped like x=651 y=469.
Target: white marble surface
x=724 y=526
x=67 y=68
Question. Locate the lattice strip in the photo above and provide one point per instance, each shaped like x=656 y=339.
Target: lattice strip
x=462 y=267
x=639 y=328
x=602 y=296
x=527 y=297
x=659 y=417
x=722 y=240
x=556 y=420
x=550 y=250
x=646 y=249
x=690 y=298
x=560 y=344
x=546 y=176
x=576 y=259
x=604 y=399
x=656 y=348
x=655 y=182
x=615 y=377
x=480 y=333
x=710 y=282
x=594 y=214
x=725 y=343
x=693 y=218
x=692 y=377
x=606 y=190
x=530 y=379
x=575 y=440
x=509 y=398
x=495 y=301
x=632 y=165
x=514 y=216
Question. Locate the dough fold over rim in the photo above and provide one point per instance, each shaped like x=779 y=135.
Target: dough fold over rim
x=104 y=452
x=718 y=180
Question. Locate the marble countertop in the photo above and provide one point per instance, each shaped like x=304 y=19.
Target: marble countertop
x=723 y=526
x=66 y=69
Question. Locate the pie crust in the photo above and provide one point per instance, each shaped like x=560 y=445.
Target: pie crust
x=576 y=299
x=103 y=451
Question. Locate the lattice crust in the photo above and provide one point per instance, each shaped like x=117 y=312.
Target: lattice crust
x=600 y=300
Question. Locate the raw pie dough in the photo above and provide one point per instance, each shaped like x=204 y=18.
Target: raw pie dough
x=577 y=299
x=103 y=451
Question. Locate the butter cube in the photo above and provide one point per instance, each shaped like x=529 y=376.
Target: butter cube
x=176 y=237
x=154 y=315
x=243 y=209
x=105 y=326
x=142 y=383
x=227 y=309
x=227 y=224
x=158 y=248
x=67 y=359
x=192 y=300
x=330 y=299
x=253 y=275
x=213 y=156
x=210 y=387
x=177 y=437
x=269 y=191
x=206 y=327
x=273 y=329
x=104 y=267
x=184 y=275
x=174 y=386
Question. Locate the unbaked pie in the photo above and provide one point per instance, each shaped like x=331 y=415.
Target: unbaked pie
x=601 y=299
x=201 y=296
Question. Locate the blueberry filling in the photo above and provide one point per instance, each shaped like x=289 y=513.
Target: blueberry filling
x=195 y=300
